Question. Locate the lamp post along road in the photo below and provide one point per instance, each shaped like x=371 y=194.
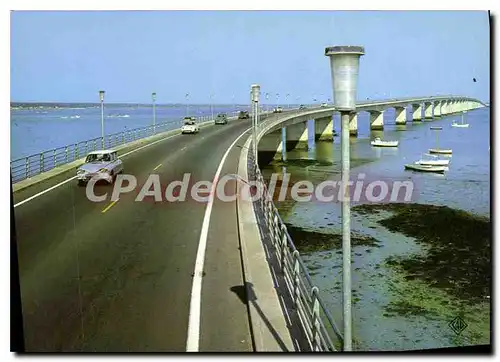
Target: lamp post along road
x=344 y=65
x=101 y=97
x=187 y=104
x=255 y=104
x=153 y=96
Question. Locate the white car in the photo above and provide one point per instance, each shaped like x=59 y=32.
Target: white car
x=104 y=164
x=324 y=105
x=190 y=126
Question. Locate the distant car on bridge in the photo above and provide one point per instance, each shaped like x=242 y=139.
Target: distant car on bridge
x=278 y=110
x=324 y=105
x=243 y=115
x=221 y=118
x=190 y=126
x=302 y=106
x=103 y=164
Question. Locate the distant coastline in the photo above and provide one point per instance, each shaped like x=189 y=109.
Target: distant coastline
x=57 y=105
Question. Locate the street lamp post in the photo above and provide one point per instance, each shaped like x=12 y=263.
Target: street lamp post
x=277 y=100
x=267 y=102
x=255 y=104
x=187 y=104
x=287 y=103
x=101 y=97
x=153 y=96
x=344 y=65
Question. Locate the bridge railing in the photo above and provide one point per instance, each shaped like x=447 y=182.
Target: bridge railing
x=32 y=165
x=316 y=321
x=29 y=166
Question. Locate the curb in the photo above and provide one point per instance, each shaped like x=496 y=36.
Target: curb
x=267 y=321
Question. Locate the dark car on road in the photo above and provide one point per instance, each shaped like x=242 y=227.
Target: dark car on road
x=243 y=115
x=221 y=118
x=302 y=107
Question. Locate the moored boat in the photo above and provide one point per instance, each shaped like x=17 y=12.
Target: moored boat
x=432 y=160
x=377 y=142
x=462 y=124
x=426 y=168
x=441 y=151
x=437 y=149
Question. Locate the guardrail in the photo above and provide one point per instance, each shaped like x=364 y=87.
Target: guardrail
x=316 y=321
x=26 y=167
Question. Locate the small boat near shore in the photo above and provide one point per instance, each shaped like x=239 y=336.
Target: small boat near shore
x=377 y=142
x=432 y=160
x=426 y=168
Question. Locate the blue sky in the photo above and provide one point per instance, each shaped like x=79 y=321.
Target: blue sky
x=69 y=56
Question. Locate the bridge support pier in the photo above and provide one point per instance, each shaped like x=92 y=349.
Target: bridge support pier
x=353 y=125
x=453 y=107
x=323 y=129
x=376 y=120
x=445 y=108
x=400 y=115
x=437 y=109
x=297 y=136
x=429 y=107
x=417 y=112
x=282 y=146
x=271 y=147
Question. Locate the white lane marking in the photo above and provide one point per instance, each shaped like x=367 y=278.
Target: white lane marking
x=72 y=178
x=193 y=338
x=44 y=191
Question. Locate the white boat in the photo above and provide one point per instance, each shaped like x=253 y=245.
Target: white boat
x=440 y=151
x=377 y=142
x=437 y=149
x=462 y=124
x=425 y=168
x=432 y=160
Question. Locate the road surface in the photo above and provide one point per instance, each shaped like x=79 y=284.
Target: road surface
x=118 y=277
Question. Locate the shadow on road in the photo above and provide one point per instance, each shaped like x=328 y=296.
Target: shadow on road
x=247 y=295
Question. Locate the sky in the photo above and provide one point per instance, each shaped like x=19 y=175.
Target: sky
x=68 y=56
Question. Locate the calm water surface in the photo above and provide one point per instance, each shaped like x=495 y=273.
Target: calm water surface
x=38 y=130
x=465 y=186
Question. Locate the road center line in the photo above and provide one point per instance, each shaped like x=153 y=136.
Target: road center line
x=109 y=206
x=157 y=167
x=193 y=337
